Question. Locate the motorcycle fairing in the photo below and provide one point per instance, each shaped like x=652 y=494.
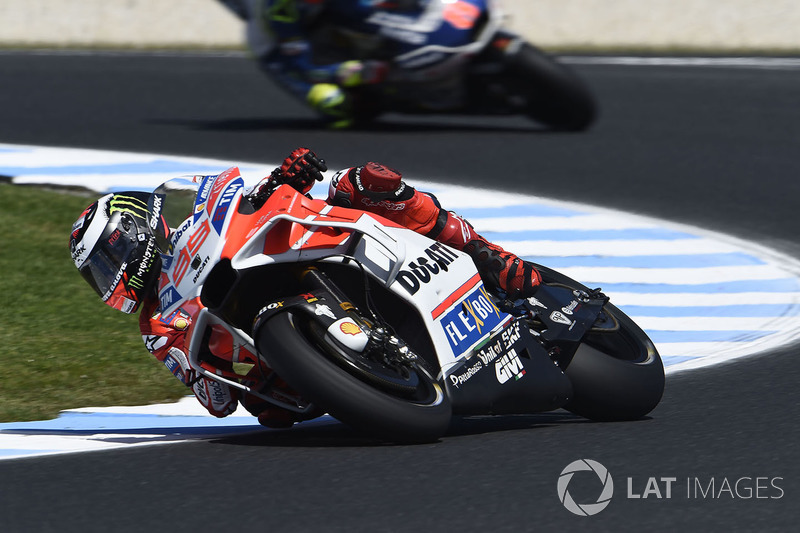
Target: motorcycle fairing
x=510 y=373
x=439 y=282
x=196 y=241
x=465 y=28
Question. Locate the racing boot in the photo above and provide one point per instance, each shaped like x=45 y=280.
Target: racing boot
x=499 y=269
x=503 y=270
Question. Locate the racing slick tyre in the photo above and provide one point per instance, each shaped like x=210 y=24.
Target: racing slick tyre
x=408 y=406
x=615 y=375
x=616 y=372
x=555 y=95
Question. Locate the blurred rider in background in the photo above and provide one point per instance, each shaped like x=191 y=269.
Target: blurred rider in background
x=113 y=245
x=327 y=53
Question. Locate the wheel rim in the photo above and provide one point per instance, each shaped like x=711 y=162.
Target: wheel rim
x=409 y=382
x=620 y=342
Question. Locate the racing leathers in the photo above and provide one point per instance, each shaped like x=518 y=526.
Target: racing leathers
x=165 y=338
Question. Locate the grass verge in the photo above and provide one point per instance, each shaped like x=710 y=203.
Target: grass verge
x=60 y=346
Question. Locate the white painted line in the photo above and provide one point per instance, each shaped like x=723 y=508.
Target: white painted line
x=737 y=62
x=705 y=299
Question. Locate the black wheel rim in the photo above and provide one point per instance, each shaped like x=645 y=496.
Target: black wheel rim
x=409 y=382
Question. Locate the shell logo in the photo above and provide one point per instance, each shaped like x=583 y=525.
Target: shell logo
x=350 y=328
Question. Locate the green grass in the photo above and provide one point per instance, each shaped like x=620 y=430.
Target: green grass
x=60 y=346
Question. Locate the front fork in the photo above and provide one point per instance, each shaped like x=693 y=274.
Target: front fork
x=383 y=345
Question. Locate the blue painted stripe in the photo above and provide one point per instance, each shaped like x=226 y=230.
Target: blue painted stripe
x=98 y=422
x=142 y=167
x=179 y=426
x=533 y=210
x=131 y=188
x=588 y=235
x=649 y=261
x=728 y=287
x=12 y=452
x=727 y=311
x=657 y=335
x=669 y=360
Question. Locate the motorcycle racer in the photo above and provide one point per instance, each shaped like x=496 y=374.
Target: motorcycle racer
x=113 y=244
x=324 y=52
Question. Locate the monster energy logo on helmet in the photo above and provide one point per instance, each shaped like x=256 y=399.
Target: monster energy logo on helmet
x=128 y=204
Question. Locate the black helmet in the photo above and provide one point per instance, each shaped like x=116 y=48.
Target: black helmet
x=113 y=244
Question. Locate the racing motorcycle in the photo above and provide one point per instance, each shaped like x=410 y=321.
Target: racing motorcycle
x=386 y=330
x=449 y=56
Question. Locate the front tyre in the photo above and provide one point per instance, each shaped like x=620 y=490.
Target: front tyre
x=295 y=349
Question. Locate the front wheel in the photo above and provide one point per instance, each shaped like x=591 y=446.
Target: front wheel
x=400 y=405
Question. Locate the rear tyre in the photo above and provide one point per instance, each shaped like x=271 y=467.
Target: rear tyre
x=554 y=94
x=616 y=373
x=407 y=406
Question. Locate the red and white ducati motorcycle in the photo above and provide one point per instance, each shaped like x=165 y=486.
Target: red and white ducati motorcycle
x=383 y=328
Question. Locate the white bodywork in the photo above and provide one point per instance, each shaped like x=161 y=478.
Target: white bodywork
x=441 y=283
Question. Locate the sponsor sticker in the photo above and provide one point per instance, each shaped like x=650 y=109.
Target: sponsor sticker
x=169 y=297
x=322 y=309
x=560 y=318
x=471 y=320
x=349 y=328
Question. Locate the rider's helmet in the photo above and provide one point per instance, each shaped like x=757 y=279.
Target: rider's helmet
x=113 y=244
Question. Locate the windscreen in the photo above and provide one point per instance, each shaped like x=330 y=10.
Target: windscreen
x=171 y=204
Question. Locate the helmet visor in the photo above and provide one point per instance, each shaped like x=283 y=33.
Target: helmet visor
x=106 y=267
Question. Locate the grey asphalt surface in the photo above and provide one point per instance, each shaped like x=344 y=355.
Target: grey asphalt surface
x=714 y=147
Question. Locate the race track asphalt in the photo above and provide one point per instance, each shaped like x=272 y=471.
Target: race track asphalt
x=714 y=147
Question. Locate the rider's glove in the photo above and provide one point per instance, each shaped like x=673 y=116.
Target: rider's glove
x=300 y=170
x=355 y=73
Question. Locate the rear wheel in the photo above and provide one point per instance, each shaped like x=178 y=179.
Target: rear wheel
x=401 y=403
x=554 y=94
x=616 y=372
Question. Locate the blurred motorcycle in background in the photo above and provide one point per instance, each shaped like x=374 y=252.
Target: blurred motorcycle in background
x=413 y=57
